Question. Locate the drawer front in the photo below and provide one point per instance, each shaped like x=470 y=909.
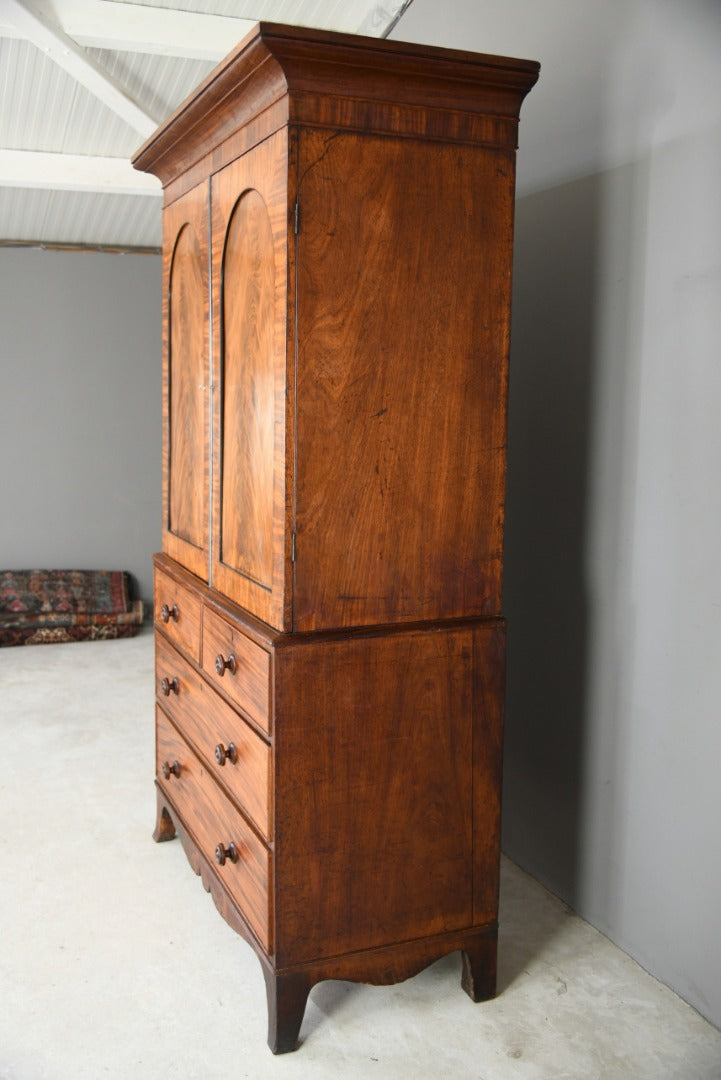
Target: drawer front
x=245 y=667
x=212 y=726
x=177 y=610
x=211 y=820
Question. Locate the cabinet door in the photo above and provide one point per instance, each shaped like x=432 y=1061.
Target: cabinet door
x=185 y=381
x=250 y=220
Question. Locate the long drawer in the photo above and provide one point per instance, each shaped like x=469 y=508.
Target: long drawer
x=242 y=861
x=230 y=749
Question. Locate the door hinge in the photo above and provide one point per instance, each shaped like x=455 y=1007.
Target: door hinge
x=292 y=547
x=296 y=217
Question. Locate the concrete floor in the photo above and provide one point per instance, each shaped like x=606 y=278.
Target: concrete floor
x=114 y=962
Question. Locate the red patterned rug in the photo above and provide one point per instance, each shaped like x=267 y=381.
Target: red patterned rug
x=38 y=607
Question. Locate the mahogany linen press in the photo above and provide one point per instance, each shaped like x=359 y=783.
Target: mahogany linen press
x=337 y=247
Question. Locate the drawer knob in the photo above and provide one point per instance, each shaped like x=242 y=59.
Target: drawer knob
x=230 y=752
x=168 y=613
x=171 y=770
x=168 y=685
x=221 y=664
x=222 y=853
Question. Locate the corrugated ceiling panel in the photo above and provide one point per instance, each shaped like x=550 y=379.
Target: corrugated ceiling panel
x=45 y=109
x=71 y=217
x=344 y=15
x=157 y=83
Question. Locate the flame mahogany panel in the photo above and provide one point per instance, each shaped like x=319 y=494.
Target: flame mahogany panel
x=247 y=413
x=251 y=541
x=185 y=382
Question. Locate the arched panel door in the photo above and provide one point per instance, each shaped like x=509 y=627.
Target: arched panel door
x=185 y=383
x=251 y=542
x=248 y=287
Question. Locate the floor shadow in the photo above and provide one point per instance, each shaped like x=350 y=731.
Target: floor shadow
x=530 y=918
x=552 y=357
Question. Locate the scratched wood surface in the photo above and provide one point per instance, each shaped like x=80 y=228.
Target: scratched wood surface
x=404 y=263
x=185 y=381
x=374 y=775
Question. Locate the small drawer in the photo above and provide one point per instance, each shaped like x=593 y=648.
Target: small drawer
x=177 y=611
x=241 y=861
x=232 y=751
x=238 y=666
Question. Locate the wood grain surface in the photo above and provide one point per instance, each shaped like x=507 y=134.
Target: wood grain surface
x=374 y=782
x=184 y=627
x=251 y=539
x=404 y=264
x=185 y=382
x=247 y=416
x=249 y=685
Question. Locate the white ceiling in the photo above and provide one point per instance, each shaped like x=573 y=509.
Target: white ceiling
x=84 y=82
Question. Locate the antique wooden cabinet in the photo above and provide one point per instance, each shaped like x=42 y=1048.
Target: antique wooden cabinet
x=330 y=644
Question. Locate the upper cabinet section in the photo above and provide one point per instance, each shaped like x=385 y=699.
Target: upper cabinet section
x=185 y=382
x=338 y=234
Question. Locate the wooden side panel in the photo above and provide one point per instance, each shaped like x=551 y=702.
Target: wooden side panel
x=489 y=662
x=373 y=750
x=185 y=381
x=251 y=544
x=404 y=272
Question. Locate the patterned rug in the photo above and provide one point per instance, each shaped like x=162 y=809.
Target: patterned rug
x=38 y=607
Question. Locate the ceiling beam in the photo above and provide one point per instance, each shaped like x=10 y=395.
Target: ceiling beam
x=382 y=17
x=74 y=172
x=137 y=28
x=35 y=25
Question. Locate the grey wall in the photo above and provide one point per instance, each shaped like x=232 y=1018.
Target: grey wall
x=613 y=579
x=80 y=348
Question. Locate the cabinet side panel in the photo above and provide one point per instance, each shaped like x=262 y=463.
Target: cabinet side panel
x=185 y=382
x=404 y=271
x=489 y=663
x=373 y=760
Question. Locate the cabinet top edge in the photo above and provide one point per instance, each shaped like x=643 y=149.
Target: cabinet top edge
x=304 y=61
x=330 y=41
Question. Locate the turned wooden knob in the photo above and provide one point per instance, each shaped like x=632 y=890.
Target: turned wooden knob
x=168 y=613
x=222 y=853
x=222 y=753
x=171 y=770
x=221 y=664
x=167 y=685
